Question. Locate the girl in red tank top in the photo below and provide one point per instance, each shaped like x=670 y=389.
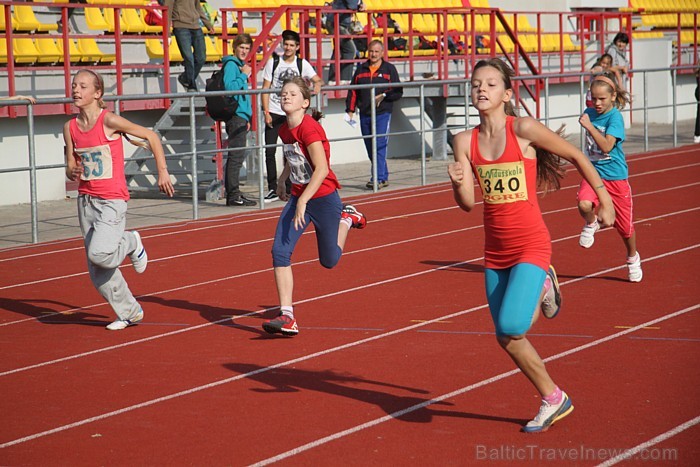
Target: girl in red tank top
x=95 y=155
x=509 y=157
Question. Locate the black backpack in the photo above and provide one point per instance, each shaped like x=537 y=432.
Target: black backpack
x=220 y=108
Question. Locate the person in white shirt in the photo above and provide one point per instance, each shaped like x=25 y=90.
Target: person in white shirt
x=276 y=70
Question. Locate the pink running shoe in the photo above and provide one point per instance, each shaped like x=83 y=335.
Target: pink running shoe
x=283 y=324
x=359 y=221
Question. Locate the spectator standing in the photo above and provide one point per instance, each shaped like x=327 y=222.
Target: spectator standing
x=276 y=71
x=348 y=49
x=375 y=71
x=618 y=51
x=184 y=17
x=236 y=75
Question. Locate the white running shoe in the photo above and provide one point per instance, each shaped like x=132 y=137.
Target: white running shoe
x=120 y=324
x=549 y=414
x=139 y=258
x=551 y=303
x=634 y=269
x=696 y=139
x=587 y=234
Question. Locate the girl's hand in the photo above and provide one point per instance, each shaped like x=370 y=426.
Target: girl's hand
x=606 y=215
x=268 y=119
x=299 y=221
x=164 y=183
x=456 y=173
x=585 y=120
x=74 y=171
x=282 y=191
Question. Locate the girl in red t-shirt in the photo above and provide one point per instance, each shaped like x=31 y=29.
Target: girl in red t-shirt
x=95 y=155
x=509 y=156
x=314 y=198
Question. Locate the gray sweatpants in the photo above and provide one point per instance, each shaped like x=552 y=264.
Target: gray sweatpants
x=102 y=222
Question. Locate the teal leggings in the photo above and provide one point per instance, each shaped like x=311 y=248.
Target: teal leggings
x=513 y=296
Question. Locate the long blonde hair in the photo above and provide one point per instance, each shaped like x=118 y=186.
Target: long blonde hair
x=549 y=166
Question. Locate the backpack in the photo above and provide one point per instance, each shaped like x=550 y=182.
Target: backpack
x=153 y=17
x=220 y=108
x=276 y=62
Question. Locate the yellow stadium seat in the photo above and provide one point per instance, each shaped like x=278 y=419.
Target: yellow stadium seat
x=95 y=20
x=90 y=48
x=2 y=20
x=213 y=54
x=47 y=50
x=74 y=55
x=3 y=51
x=108 y=14
x=154 y=49
x=25 y=20
x=569 y=45
x=133 y=20
x=24 y=50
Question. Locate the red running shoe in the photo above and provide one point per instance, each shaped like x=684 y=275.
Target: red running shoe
x=359 y=221
x=283 y=324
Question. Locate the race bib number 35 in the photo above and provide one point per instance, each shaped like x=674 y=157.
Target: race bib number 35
x=97 y=162
x=502 y=183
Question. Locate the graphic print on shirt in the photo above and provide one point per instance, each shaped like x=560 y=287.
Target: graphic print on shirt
x=300 y=169
x=96 y=161
x=502 y=183
x=593 y=151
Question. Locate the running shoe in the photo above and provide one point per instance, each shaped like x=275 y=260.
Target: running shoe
x=634 y=269
x=240 y=200
x=359 y=221
x=283 y=324
x=587 y=234
x=120 y=324
x=271 y=196
x=549 y=414
x=551 y=303
x=138 y=257
x=381 y=184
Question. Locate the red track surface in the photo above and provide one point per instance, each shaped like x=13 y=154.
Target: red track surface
x=396 y=362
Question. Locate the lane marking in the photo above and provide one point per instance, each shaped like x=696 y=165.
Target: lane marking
x=647 y=444
x=625 y=327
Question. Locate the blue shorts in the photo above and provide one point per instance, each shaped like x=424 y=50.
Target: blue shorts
x=324 y=214
x=513 y=295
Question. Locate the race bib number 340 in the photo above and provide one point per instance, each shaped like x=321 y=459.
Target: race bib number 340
x=502 y=183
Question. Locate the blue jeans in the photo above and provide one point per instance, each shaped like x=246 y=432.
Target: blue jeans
x=383 y=122
x=324 y=213
x=189 y=40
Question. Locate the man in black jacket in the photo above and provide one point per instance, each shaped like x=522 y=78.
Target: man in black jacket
x=375 y=71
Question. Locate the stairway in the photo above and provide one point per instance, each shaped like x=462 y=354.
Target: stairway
x=174 y=130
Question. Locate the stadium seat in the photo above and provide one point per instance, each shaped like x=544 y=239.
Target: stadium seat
x=2 y=19
x=24 y=19
x=133 y=21
x=47 y=51
x=24 y=51
x=74 y=55
x=89 y=48
x=95 y=20
x=213 y=54
x=154 y=49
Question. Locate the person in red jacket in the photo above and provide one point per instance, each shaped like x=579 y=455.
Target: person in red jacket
x=376 y=70
x=510 y=156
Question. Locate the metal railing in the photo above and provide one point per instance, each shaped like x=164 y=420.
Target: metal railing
x=196 y=153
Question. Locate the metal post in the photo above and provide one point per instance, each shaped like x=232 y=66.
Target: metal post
x=546 y=101
x=261 y=157
x=32 y=174
x=373 y=115
x=646 y=112
x=421 y=112
x=582 y=106
x=467 y=96
x=675 y=111
x=193 y=148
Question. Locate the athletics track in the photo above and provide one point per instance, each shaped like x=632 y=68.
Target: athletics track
x=395 y=363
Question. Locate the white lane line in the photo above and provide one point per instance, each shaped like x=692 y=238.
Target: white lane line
x=458 y=392
x=646 y=445
x=238 y=245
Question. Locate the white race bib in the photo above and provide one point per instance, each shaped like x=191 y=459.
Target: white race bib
x=97 y=162
x=300 y=169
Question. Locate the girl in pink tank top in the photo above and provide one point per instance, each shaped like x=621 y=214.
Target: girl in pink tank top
x=95 y=155
x=509 y=157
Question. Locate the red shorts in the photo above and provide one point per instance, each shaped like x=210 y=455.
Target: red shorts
x=621 y=194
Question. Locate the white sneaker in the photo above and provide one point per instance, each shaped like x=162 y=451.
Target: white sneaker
x=139 y=258
x=551 y=303
x=120 y=324
x=587 y=234
x=549 y=414
x=634 y=269
x=696 y=139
